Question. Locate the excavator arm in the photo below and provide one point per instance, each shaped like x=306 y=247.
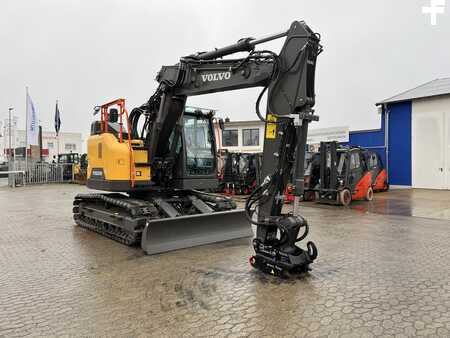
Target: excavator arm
x=288 y=78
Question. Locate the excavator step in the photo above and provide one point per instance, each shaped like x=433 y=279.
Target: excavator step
x=142 y=164
x=139 y=147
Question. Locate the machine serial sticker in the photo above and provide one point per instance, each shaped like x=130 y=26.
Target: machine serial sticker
x=271 y=128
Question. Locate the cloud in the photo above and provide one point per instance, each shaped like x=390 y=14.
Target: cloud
x=84 y=53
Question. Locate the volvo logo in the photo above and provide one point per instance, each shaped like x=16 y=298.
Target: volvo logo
x=216 y=76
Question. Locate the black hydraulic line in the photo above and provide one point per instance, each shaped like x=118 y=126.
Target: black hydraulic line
x=305 y=233
x=243 y=45
x=312 y=250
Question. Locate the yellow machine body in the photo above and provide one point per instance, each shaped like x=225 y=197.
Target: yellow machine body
x=112 y=164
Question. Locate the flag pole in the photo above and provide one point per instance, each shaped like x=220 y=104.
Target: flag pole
x=26 y=130
x=57 y=138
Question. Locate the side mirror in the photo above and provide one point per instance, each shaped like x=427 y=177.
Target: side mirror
x=113 y=115
x=221 y=124
x=96 y=110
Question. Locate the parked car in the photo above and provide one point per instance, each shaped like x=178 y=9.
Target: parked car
x=3 y=167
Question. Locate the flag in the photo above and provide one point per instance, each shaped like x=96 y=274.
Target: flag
x=57 y=119
x=32 y=123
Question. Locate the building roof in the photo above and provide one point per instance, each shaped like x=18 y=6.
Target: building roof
x=433 y=88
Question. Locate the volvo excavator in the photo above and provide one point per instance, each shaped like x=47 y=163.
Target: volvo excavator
x=159 y=162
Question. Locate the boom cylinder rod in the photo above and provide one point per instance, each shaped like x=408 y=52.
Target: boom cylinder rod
x=299 y=179
x=243 y=45
x=269 y=38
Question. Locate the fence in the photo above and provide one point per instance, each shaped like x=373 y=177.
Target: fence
x=41 y=173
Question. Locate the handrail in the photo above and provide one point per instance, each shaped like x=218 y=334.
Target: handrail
x=104 y=128
x=130 y=147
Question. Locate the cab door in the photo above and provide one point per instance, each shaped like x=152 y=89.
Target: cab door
x=373 y=165
x=355 y=171
x=359 y=177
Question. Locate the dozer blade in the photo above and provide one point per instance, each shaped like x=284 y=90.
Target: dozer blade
x=174 y=233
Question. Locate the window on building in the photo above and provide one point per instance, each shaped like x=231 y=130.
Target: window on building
x=230 y=138
x=250 y=137
x=50 y=145
x=70 y=146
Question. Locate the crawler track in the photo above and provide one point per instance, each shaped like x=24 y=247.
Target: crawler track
x=129 y=208
x=107 y=230
x=123 y=218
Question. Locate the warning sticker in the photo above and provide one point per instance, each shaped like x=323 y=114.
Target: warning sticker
x=271 y=128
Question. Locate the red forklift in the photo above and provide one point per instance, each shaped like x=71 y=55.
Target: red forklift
x=344 y=175
x=376 y=167
x=240 y=173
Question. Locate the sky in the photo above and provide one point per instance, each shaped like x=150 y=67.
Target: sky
x=85 y=53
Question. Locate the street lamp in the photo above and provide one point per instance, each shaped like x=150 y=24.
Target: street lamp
x=9 y=134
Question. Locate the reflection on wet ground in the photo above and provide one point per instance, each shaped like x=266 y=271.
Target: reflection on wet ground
x=405 y=202
x=378 y=274
x=3 y=181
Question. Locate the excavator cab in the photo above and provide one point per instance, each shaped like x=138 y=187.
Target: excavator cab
x=196 y=158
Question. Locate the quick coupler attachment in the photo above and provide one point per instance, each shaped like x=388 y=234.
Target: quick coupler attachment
x=282 y=257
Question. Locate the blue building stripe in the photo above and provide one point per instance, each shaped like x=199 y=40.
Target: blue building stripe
x=398 y=149
x=400 y=120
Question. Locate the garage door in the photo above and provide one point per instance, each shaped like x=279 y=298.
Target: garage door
x=447 y=150
x=430 y=136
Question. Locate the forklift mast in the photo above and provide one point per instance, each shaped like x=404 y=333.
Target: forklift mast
x=328 y=166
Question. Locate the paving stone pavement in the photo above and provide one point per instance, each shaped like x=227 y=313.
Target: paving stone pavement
x=376 y=276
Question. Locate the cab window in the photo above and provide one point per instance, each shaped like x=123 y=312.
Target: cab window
x=354 y=161
x=374 y=161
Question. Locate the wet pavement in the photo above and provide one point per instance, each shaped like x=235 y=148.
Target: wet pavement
x=3 y=182
x=378 y=274
x=406 y=202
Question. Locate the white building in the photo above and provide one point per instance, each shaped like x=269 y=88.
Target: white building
x=248 y=136
x=67 y=142
x=4 y=136
x=242 y=136
x=415 y=136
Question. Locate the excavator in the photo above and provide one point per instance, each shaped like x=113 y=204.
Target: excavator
x=158 y=162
